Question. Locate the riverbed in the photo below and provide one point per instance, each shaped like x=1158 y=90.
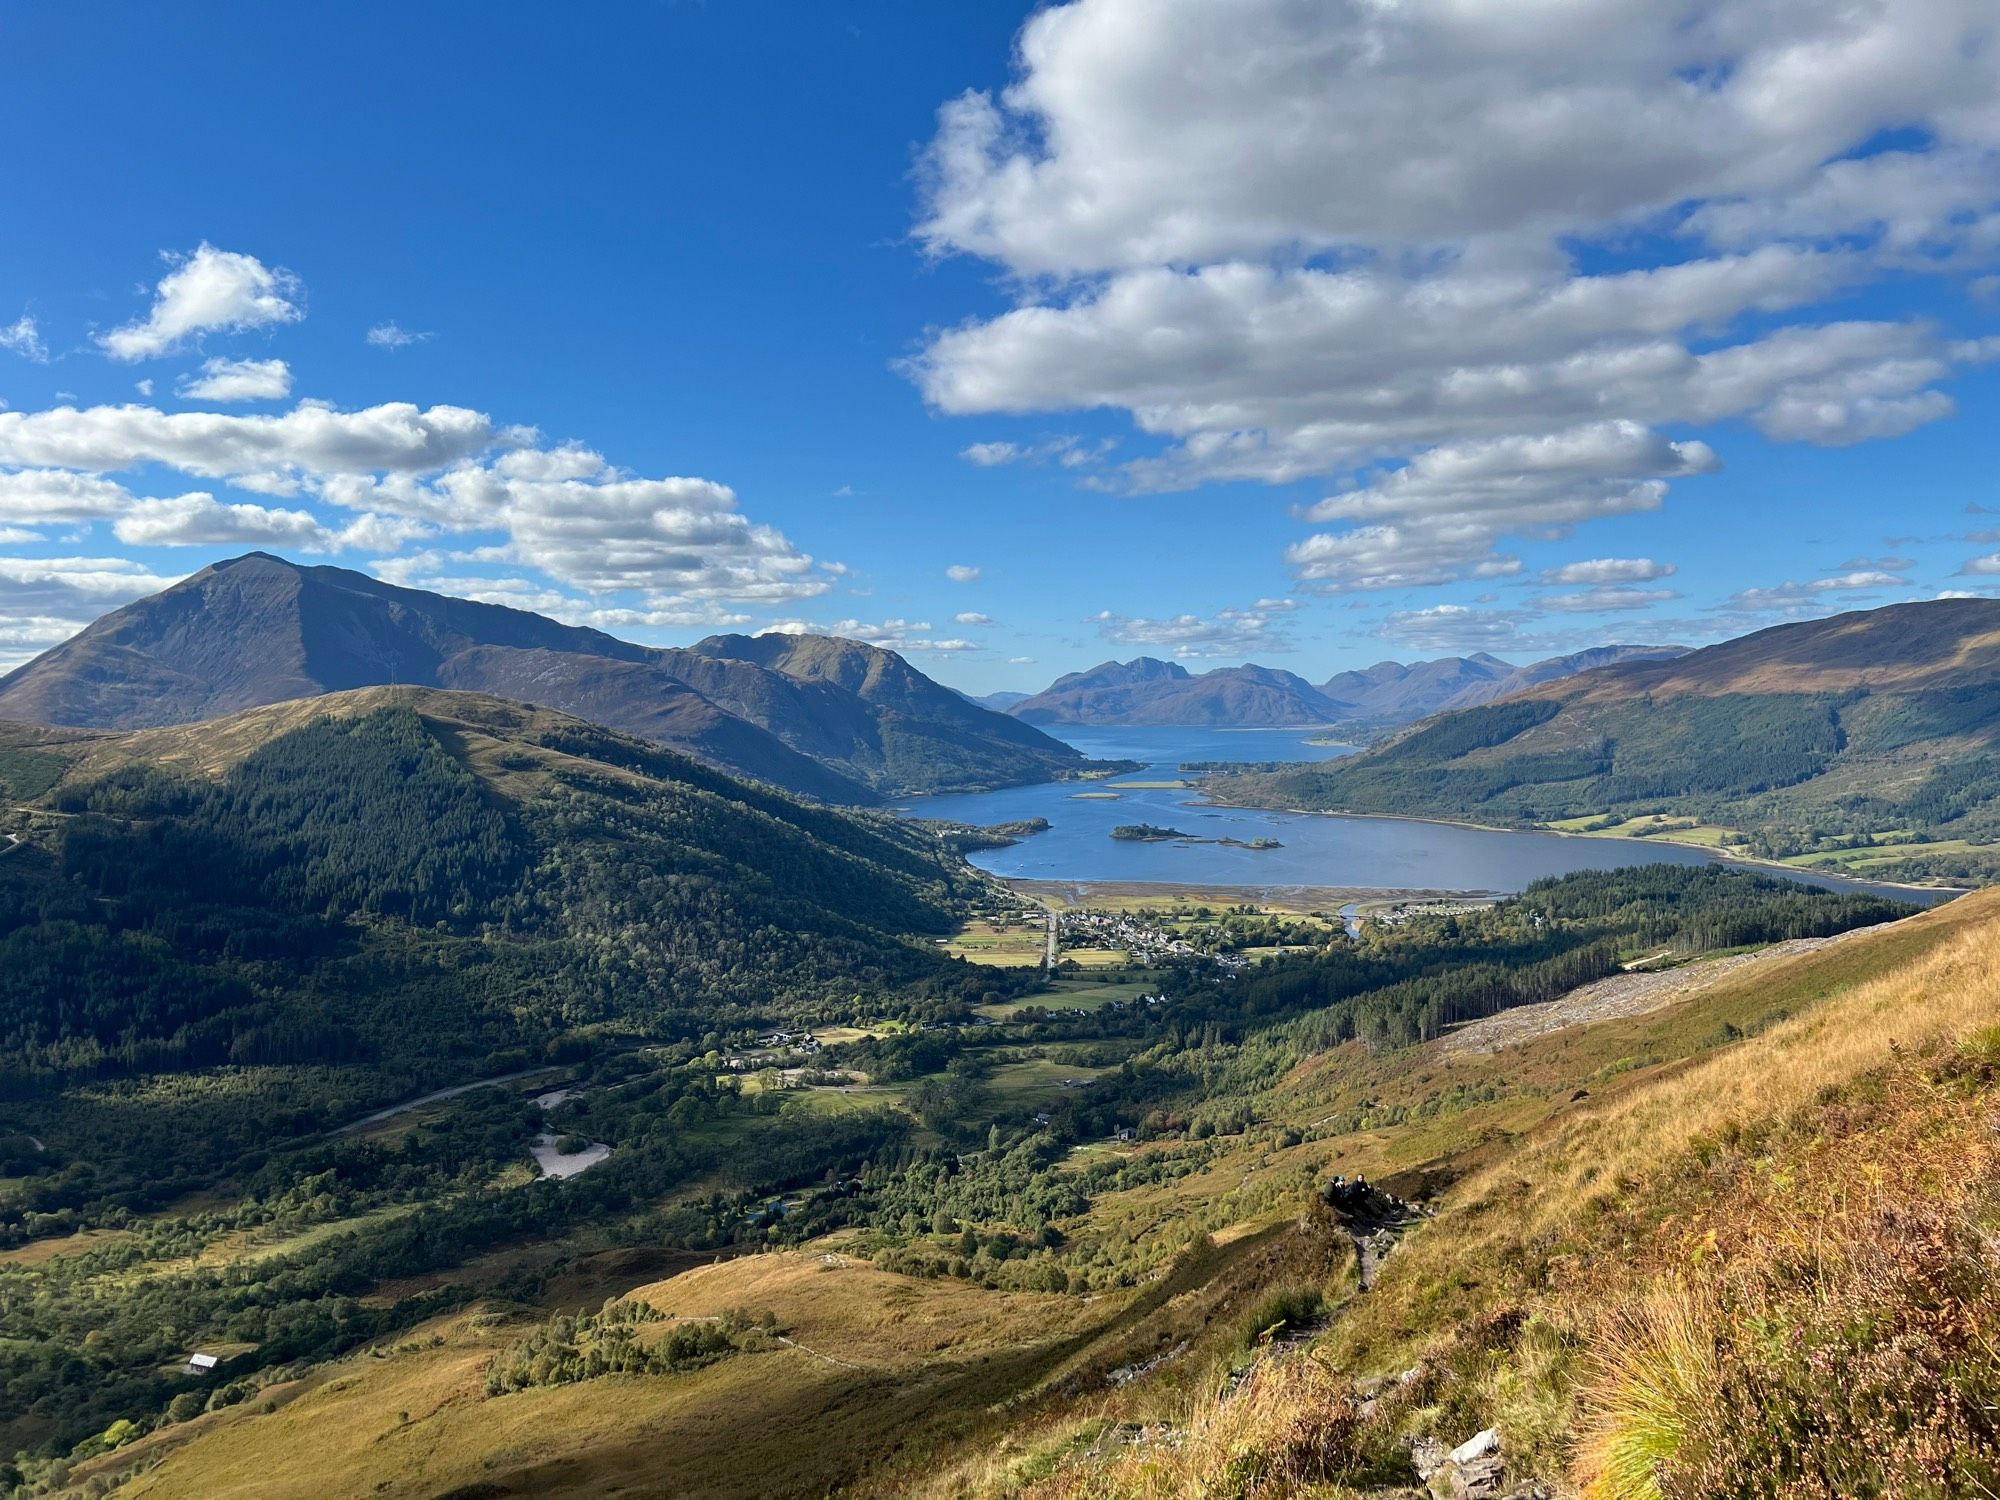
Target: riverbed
x=1313 y=849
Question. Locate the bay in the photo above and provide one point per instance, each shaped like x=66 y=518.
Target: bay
x=1333 y=851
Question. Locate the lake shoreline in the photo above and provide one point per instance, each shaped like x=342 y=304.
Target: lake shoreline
x=1716 y=852
x=1220 y=893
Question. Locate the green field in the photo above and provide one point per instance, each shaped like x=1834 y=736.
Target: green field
x=1004 y=946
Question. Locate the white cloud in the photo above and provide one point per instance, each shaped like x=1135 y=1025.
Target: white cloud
x=23 y=336
x=1142 y=132
x=50 y=496
x=889 y=635
x=144 y=387
x=1609 y=570
x=1454 y=627
x=678 y=543
x=1020 y=661
x=238 y=380
x=1981 y=566
x=972 y=617
x=1392 y=557
x=992 y=455
x=1605 y=600
x=313 y=438
x=206 y=291
x=1068 y=450
x=1791 y=598
x=202 y=520
x=1228 y=632
x=962 y=573
x=44 y=600
x=1295 y=240
x=390 y=336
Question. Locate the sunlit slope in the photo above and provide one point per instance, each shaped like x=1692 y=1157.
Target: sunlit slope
x=1876 y=727
x=1789 y=1120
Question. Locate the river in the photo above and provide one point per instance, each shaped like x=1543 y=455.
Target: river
x=1336 y=852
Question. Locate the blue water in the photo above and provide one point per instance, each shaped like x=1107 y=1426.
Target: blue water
x=1352 y=853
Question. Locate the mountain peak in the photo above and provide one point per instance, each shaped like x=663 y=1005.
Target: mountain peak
x=834 y=719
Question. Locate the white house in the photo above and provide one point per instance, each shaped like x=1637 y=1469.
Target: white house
x=199 y=1364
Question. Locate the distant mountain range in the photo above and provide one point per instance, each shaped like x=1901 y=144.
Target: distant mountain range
x=1878 y=729
x=832 y=719
x=1385 y=696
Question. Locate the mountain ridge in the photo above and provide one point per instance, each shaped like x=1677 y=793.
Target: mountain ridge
x=1149 y=691
x=1867 y=742
x=840 y=721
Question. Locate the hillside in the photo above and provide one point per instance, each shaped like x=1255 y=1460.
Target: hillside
x=836 y=720
x=422 y=879
x=1638 y=1249
x=1869 y=741
x=974 y=1218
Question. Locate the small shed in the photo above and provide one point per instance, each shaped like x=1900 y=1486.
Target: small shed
x=199 y=1364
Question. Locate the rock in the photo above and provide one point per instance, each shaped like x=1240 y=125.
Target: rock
x=1427 y=1454
x=1479 y=1445
x=1471 y=1471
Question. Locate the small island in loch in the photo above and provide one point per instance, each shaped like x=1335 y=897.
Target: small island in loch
x=1151 y=833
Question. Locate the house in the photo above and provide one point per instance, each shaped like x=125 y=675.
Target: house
x=199 y=1364
x=1127 y=1133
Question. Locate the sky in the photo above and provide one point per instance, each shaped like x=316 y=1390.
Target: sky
x=1015 y=338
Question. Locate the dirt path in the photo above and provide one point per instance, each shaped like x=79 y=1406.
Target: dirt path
x=1617 y=996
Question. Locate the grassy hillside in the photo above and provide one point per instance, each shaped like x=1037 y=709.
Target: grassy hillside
x=1869 y=741
x=964 y=1272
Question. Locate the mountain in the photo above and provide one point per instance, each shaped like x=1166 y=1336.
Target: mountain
x=836 y=720
x=1870 y=740
x=1555 y=668
x=1001 y=701
x=560 y=874
x=1149 y=691
x=1385 y=696
x=1393 y=692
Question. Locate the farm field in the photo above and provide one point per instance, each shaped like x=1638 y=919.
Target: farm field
x=1008 y=946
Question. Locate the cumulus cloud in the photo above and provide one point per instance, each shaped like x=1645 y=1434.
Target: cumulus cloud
x=971 y=617
x=1228 y=632
x=313 y=439
x=238 y=380
x=208 y=290
x=1981 y=566
x=24 y=337
x=1600 y=601
x=44 y=600
x=1791 y=598
x=1609 y=570
x=390 y=336
x=962 y=573
x=1141 y=132
x=679 y=543
x=1299 y=240
x=1453 y=627
x=889 y=635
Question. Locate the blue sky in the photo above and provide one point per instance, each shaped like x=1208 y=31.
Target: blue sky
x=1144 y=329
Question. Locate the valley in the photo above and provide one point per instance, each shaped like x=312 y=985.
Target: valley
x=501 y=1104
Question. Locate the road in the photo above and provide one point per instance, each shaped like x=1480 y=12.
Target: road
x=1049 y=958
x=436 y=1095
